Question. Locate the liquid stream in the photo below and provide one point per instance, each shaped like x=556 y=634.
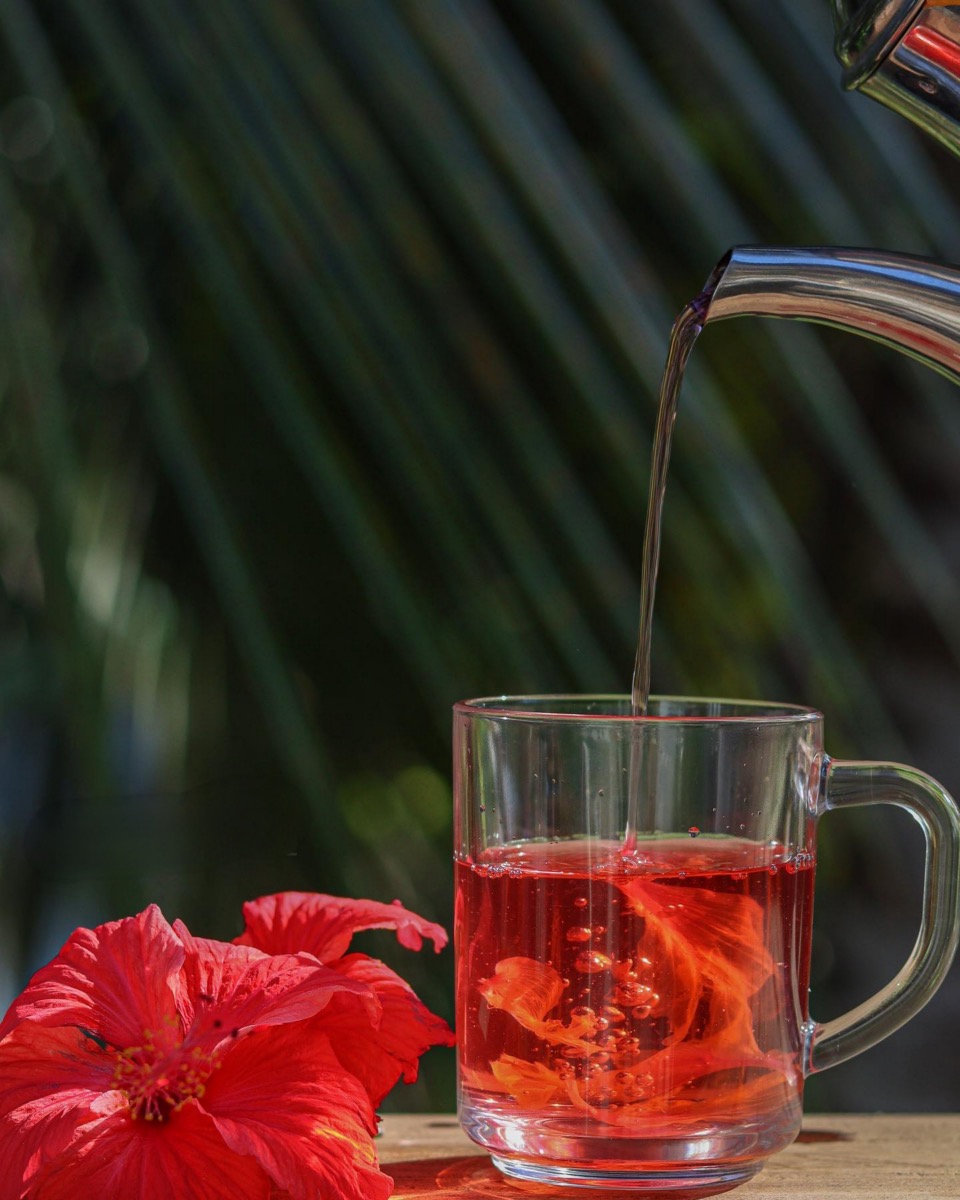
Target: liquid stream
x=686 y=329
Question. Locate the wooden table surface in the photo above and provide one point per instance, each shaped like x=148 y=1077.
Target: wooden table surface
x=835 y=1158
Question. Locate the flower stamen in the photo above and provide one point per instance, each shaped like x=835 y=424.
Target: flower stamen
x=159 y=1079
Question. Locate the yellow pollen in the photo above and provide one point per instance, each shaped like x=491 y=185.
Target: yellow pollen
x=158 y=1079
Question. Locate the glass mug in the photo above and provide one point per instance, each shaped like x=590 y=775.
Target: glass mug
x=634 y=899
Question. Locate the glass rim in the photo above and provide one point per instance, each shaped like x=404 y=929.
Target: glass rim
x=550 y=708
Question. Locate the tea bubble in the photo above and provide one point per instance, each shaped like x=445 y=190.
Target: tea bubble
x=644 y=1083
x=581 y=902
x=582 y=1010
x=578 y=933
x=632 y=994
x=588 y=962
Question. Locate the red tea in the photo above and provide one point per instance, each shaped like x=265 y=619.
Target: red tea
x=657 y=999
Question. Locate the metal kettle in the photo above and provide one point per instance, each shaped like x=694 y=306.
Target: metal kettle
x=906 y=54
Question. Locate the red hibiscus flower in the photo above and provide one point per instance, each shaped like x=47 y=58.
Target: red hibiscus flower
x=293 y=922
x=144 y=1063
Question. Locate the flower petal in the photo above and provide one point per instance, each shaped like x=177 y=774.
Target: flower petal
x=528 y=990
x=525 y=988
x=531 y=1084
x=116 y=980
x=379 y=1057
x=227 y=987
x=52 y=1081
x=288 y=922
x=697 y=937
x=282 y=1096
x=122 y=1159
x=675 y=971
x=730 y=926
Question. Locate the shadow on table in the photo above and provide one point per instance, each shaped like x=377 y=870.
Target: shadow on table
x=468 y=1176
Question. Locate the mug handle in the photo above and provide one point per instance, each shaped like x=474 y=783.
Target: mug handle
x=850 y=784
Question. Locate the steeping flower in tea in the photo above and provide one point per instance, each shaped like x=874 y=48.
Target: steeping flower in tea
x=641 y=1028
x=144 y=1063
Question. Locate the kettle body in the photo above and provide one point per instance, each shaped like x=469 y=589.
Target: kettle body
x=905 y=54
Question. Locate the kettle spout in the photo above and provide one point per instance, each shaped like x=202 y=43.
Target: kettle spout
x=909 y=303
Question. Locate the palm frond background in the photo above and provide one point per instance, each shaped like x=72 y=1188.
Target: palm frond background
x=331 y=333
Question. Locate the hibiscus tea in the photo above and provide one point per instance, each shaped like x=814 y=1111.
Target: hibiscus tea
x=632 y=1011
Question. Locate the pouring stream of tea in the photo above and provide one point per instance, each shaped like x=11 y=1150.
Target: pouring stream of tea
x=684 y=333
x=685 y=330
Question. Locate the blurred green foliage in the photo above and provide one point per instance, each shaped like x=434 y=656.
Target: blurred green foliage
x=330 y=333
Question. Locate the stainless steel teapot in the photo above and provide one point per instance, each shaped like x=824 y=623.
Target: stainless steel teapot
x=906 y=54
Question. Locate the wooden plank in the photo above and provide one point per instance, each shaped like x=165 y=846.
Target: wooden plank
x=876 y=1157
